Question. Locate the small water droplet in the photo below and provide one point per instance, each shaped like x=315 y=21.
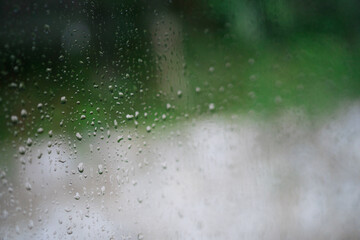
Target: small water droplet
x=78 y=136
x=28 y=186
x=179 y=93
x=23 y=113
x=29 y=142
x=63 y=99
x=77 y=196
x=62 y=160
x=100 y=169
x=69 y=231
x=119 y=138
x=31 y=224
x=80 y=167
x=22 y=150
x=14 y=119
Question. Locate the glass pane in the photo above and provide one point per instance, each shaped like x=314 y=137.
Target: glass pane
x=177 y=119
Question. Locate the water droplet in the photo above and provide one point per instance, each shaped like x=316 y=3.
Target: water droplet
x=211 y=106
x=28 y=186
x=22 y=150
x=100 y=169
x=78 y=136
x=29 y=142
x=69 y=231
x=23 y=113
x=14 y=119
x=62 y=160
x=148 y=129
x=80 y=167
x=77 y=196
x=63 y=99
x=119 y=138
x=31 y=224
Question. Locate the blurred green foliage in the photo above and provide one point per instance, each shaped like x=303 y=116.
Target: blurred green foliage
x=266 y=56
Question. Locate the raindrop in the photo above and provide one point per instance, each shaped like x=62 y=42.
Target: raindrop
x=80 y=167
x=22 y=150
x=179 y=93
x=100 y=169
x=31 y=224
x=78 y=136
x=28 y=186
x=77 y=196
x=23 y=113
x=14 y=119
x=29 y=142
x=63 y=100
